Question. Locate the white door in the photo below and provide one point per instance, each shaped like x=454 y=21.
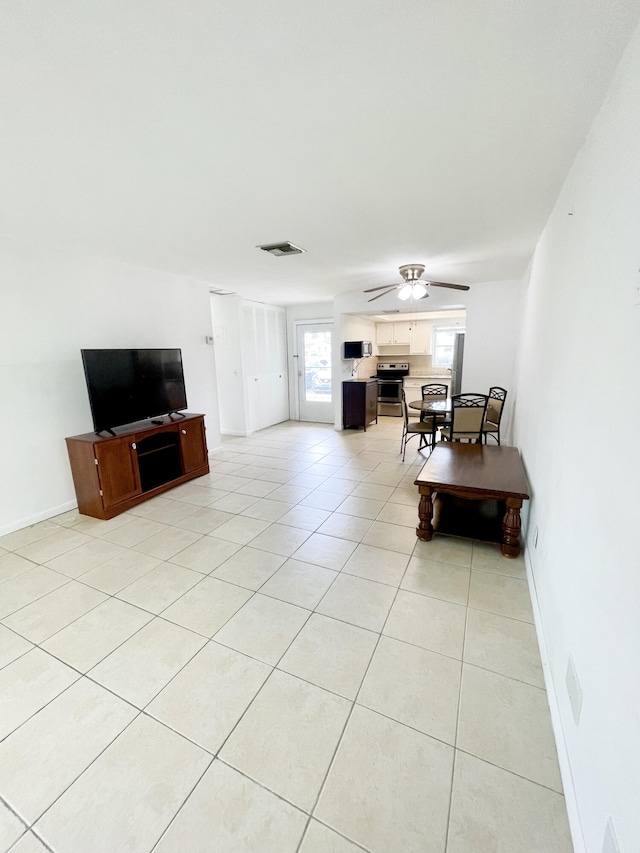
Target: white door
x=264 y=355
x=315 y=393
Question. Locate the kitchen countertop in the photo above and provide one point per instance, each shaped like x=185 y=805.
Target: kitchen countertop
x=429 y=376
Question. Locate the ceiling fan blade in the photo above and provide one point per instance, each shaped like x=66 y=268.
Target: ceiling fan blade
x=381 y=294
x=371 y=289
x=444 y=284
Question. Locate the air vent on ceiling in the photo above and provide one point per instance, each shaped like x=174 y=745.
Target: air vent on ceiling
x=279 y=249
x=218 y=291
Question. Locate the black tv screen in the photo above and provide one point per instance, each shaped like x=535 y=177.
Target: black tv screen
x=127 y=385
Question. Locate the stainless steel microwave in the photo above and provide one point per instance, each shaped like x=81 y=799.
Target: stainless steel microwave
x=357 y=349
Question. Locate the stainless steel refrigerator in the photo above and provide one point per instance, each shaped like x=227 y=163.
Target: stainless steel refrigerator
x=456 y=364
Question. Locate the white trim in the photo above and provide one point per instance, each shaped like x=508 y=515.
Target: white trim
x=571 y=800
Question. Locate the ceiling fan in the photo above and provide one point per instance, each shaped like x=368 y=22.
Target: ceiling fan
x=413 y=285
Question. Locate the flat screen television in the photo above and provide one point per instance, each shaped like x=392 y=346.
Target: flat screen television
x=127 y=385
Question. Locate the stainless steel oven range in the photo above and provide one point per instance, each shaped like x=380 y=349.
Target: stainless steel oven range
x=389 y=376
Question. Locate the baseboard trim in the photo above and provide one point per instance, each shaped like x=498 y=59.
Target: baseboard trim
x=39 y=516
x=571 y=800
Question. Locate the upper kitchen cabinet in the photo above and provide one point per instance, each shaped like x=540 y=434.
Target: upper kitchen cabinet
x=401 y=333
x=384 y=334
x=421 y=337
x=414 y=337
x=392 y=334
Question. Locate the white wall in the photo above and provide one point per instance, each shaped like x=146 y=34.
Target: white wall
x=577 y=423
x=355 y=328
x=493 y=325
x=53 y=304
x=348 y=327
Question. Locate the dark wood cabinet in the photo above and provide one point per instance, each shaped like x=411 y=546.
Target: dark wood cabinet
x=193 y=446
x=359 y=402
x=117 y=471
x=113 y=473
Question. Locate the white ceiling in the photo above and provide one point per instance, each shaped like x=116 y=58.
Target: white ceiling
x=179 y=135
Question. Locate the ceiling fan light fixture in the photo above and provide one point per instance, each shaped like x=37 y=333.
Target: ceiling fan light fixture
x=414 y=287
x=411 y=272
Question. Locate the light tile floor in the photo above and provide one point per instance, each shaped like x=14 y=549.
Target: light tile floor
x=267 y=659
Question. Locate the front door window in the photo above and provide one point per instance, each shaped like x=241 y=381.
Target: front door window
x=317 y=366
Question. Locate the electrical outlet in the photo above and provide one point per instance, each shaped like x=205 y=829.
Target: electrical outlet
x=610 y=844
x=574 y=690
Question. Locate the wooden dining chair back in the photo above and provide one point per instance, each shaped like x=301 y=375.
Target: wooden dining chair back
x=495 y=407
x=411 y=428
x=467 y=418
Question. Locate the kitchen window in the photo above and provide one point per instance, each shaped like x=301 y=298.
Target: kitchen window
x=442 y=345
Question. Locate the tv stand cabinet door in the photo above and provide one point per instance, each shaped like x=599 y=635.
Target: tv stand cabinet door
x=193 y=445
x=117 y=471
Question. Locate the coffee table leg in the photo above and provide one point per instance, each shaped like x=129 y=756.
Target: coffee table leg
x=511 y=528
x=424 y=530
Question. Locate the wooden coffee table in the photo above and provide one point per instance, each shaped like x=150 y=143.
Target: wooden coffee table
x=475 y=472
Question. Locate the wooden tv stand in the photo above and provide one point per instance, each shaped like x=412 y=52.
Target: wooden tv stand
x=113 y=473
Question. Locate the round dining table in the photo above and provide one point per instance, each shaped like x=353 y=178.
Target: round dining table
x=432 y=408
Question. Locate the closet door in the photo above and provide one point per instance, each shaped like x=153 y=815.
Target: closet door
x=264 y=354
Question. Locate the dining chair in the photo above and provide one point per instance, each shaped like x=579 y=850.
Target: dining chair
x=495 y=407
x=434 y=391
x=411 y=428
x=467 y=418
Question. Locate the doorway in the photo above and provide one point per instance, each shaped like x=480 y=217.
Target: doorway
x=315 y=391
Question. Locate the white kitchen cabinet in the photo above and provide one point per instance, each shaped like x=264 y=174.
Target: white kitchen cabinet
x=392 y=334
x=401 y=333
x=413 y=385
x=421 y=337
x=384 y=333
x=413 y=388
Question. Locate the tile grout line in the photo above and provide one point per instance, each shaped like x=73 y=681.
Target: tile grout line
x=183 y=804
x=353 y=705
x=207 y=639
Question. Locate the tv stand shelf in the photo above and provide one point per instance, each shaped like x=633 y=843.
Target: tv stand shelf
x=112 y=473
x=156 y=450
